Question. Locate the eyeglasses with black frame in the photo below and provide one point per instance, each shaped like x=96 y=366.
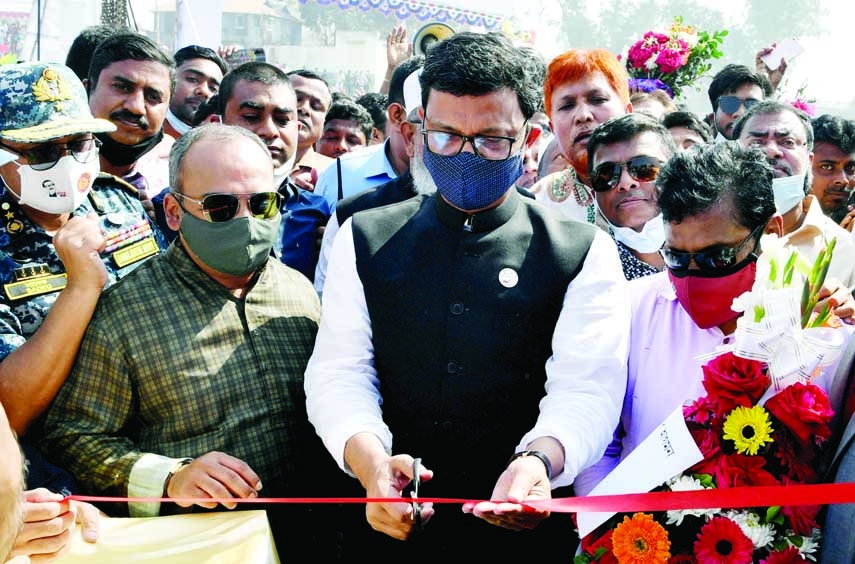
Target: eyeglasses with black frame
x=45 y=156
x=731 y=104
x=709 y=261
x=488 y=147
x=641 y=168
x=219 y=207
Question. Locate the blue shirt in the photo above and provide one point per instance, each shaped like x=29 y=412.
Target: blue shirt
x=360 y=170
x=302 y=213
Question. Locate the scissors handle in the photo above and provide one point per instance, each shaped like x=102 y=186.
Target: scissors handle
x=417 y=507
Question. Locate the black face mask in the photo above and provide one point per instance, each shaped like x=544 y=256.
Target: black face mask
x=119 y=154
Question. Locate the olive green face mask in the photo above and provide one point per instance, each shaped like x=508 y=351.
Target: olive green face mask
x=237 y=247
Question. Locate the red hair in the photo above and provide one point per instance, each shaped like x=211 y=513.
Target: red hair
x=576 y=63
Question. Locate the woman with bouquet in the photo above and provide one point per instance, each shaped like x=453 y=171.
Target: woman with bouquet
x=753 y=425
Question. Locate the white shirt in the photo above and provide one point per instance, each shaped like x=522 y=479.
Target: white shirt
x=585 y=375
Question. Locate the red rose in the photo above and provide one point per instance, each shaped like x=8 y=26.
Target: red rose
x=735 y=470
x=731 y=381
x=804 y=409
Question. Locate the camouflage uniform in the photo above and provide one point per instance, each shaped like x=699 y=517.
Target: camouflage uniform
x=24 y=246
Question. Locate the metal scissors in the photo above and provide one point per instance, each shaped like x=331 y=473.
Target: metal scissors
x=417 y=507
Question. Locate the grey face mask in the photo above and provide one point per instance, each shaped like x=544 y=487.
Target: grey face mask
x=237 y=247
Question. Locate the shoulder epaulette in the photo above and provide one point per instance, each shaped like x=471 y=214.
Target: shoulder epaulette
x=105 y=179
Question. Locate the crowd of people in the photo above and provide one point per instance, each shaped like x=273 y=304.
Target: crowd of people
x=493 y=278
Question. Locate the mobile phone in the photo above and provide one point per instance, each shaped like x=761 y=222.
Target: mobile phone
x=786 y=49
x=241 y=56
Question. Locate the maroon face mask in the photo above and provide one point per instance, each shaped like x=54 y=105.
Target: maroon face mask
x=707 y=296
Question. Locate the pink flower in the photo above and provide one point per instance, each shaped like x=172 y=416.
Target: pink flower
x=645 y=48
x=804 y=409
x=805 y=106
x=703 y=411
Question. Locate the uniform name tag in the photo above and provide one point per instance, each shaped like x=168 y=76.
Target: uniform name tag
x=35 y=286
x=136 y=252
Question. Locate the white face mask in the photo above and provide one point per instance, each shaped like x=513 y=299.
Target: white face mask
x=789 y=191
x=649 y=240
x=61 y=188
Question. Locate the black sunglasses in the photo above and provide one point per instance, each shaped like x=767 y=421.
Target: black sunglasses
x=708 y=261
x=643 y=169
x=44 y=157
x=731 y=104
x=219 y=207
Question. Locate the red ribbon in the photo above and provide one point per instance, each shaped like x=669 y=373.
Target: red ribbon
x=763 y=496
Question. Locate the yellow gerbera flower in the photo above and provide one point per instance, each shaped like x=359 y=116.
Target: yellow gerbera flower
x=641 y=540
x=749 y=428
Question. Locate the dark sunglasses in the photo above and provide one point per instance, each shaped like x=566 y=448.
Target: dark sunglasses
x=731 y=104
x=223 y=207
x=643 y=169
x=708 y=261
x=44 y=157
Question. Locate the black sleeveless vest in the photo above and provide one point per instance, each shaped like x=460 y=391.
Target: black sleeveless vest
x=462 y=311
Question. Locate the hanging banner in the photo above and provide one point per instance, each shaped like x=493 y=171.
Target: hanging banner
x=425 y=11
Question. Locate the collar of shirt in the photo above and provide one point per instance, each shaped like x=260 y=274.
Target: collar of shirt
x=481 y=221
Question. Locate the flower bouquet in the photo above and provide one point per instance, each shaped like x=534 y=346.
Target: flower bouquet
x=676 y=58
x=755 y=426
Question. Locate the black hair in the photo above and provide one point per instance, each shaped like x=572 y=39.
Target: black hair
x=773 y=107
x=626 y=127
x=253 y=71
x=376 y=104
x=695 y=181
x=731 y=77
x=309 y=74
x=690 y=121
x=124 y=45
x=474 y=64
x=836 y=131
x=80 y=53
x=191 y=52
x=399 y=75
x=205 y=109
x=351 y=111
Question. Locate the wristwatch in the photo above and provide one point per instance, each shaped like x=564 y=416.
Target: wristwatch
x=536 y=454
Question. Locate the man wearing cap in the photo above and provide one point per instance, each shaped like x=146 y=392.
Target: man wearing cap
x=198 y=75
x=130 y=83
x=356 y=175
x=66 y=232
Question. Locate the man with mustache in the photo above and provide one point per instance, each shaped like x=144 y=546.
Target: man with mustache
x=198 y=75
x=130 y=84
x=785 y=135
x=833 y=164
